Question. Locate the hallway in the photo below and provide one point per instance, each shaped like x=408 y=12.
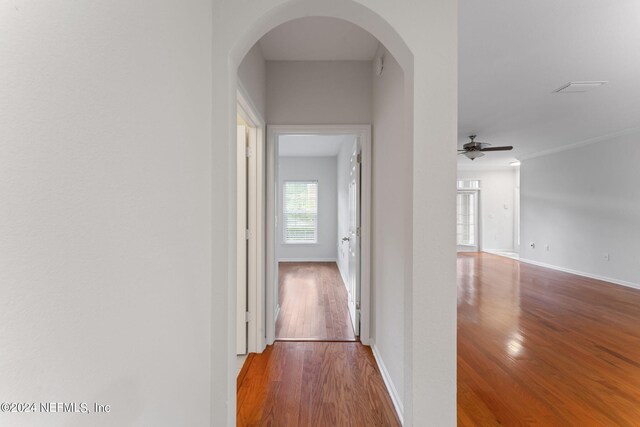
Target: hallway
x=300 y=384
x=542 y=347
x=313 y=303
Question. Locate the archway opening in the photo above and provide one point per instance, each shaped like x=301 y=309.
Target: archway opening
x=303 y=75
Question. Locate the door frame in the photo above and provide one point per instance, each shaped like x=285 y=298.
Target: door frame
x=364 y=133
x=242 y=254
x=256 y=221
x=478 y=208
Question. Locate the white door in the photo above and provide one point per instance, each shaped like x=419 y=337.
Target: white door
x=354 y=239
x=468 y=221
x=241 y=255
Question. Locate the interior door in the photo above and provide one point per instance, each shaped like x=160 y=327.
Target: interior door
x=354 y=239
x=241 y=254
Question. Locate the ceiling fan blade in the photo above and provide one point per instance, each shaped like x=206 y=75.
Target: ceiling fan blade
x=504 y=148
x=475 y=145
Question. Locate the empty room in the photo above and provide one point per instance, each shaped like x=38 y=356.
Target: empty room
x=548 y=201
x=297 y=213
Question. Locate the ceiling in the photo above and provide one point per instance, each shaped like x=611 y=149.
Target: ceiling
x=312 y=145
x=318 y=38
x=513 y=55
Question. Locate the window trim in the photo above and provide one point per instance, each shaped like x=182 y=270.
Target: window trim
x=476 y=194
x=284 y=213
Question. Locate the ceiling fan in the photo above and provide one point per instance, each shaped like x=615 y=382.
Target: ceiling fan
x=475 y=149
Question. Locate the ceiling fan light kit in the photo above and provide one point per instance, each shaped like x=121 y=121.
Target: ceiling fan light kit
x=473 y=154
x=474 y=149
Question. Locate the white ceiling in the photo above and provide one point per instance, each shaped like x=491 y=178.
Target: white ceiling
x=318 y=38
x=514 y=54
x=312 y=145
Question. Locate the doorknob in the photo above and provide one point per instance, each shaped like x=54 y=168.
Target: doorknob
x=346 y=239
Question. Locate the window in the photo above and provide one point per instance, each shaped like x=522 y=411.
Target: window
x=469 y=184
x=300 y=211
x=467 y=218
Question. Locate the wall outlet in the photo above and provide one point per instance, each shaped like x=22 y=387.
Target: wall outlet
x=606 y=257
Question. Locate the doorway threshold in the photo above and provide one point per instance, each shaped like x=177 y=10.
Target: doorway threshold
x=317 y=340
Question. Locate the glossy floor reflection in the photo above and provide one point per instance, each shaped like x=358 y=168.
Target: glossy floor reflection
x=542 y=347
x=314 y=384
x=313 y=303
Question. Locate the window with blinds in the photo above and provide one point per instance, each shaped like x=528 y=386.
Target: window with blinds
x=467 y=218
x=300 y=211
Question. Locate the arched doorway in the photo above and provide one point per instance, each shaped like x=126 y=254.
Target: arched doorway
x=429 y=292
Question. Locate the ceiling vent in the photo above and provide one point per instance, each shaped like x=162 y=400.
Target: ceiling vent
x=574 y=87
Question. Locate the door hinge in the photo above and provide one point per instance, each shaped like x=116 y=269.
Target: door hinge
x=358 y=231
x=247 y=234
x=358 y=305
x=359 y=158
x=248 y=151
x=248 y=317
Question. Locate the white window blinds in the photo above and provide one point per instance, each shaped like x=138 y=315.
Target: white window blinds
x=300 y=211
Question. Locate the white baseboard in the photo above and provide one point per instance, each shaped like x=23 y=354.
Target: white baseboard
x=583 y=274
x=502 y=253
x=395 y=398
x=344 y=279
x=308 y=260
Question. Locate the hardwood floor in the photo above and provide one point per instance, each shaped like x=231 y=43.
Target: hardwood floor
x=313 y=302
x=321 y=384
x=542 y=347
x=535 y=347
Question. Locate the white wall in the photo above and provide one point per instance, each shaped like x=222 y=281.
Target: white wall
x=105 y=235
x=391 y=207
x=318 y=92
x=584 y=203
x=252 y=74
x=343 y=180
x=323 y=170
x=117 y=186
x=497 y=206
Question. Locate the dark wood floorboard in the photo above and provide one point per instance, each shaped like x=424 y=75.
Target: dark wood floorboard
x=313 y=302
x=323 y=384
x=541 y=347
x=245 y=368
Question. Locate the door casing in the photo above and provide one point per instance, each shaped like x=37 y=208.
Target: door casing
x=255 y=221
x=363 y=132
x=354 y=237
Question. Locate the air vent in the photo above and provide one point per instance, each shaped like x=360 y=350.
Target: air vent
x=574 y=87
